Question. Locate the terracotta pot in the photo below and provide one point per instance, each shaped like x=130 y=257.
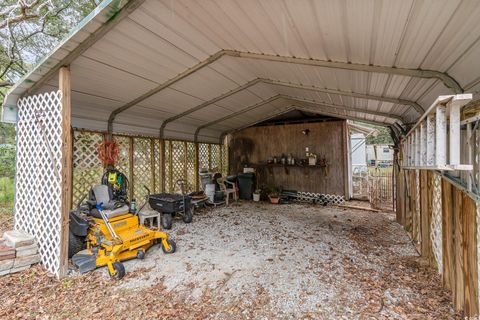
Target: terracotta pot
x=274 y=200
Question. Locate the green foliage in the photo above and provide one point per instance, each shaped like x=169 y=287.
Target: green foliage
x=7 y=132
x=7 y=160
x=7 y=192
x=7 y=150
x=30 y=29
x=383 y=136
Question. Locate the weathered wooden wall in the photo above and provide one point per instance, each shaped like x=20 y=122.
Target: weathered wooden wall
x=459 y=232
x=255 y=145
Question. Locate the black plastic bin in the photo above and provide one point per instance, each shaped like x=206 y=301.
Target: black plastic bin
x=168 y=202
x=246 y=184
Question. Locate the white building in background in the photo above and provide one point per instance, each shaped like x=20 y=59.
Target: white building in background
x=381 y=155
x=358 y=152
x=358 y=147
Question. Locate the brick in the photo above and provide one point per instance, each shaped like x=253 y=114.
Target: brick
x=6 y=264
x=28 y=260
x=27 y=250
x=17 y=238
x=13 y=270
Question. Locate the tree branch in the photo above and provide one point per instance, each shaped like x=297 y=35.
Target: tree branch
x=4 y=84
x=24 y=13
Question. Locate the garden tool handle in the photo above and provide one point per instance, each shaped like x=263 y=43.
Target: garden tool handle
x=146 y=200
x=105 y=219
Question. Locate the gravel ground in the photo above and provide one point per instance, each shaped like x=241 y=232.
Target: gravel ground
x=292 y=261
x=251 y=261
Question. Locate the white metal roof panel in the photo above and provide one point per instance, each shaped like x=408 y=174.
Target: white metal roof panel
x=160 y=40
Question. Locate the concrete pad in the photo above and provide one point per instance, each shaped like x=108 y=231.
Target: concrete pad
x=27 y=250
x=6 y=264
x=17 y=238
x=28 y=260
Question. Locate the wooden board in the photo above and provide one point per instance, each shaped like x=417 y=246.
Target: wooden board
x=401 y=195
x=458 y=290
x=410 y=220
x=447 y=236
x=256 y=144
x=459 y=235
x=67 y=165
x=424 y=220
x=430 y=255
x=470 y=256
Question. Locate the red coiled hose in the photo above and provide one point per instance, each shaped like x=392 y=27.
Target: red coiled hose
x=108 y=152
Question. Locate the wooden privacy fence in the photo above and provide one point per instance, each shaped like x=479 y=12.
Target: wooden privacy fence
x=442 y=221
x=140 y=158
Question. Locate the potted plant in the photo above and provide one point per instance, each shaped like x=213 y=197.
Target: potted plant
x=256 y=195
x=274 y=196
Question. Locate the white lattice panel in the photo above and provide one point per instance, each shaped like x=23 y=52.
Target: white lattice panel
x=478 y=246
x=123 y=163
x=38 y=183
x=436 y=224
x=142 y=168
x=87 y=167
x=203 y=156
x=216 y=161
x=224 y=160
x=158 y=162
x=416 y=225
x=168 y=169
x=328 y=198
x=190 y=166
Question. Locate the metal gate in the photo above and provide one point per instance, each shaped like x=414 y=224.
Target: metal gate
x=380 y=185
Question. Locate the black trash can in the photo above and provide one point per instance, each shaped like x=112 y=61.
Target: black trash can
x=246 y=183
x=232 y=179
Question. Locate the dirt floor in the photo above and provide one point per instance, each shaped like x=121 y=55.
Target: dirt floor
x=252 y=261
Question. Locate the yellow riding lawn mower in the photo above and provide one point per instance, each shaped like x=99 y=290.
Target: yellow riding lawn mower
x=105 y=232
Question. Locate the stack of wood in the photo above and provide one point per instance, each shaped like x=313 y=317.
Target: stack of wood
x=18 y=252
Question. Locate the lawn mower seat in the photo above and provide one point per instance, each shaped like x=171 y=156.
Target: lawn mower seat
x=103 y=194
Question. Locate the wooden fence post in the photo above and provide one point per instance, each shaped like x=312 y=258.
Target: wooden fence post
x=170 y=165
x=152 y=164
x=67 y=149
x=130 y=167
x=162 y=165
x=197 y=168
x=185 y=164
x=221 y=158
x=209 y=156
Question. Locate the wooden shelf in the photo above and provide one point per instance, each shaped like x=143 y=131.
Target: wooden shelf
x=287 y=165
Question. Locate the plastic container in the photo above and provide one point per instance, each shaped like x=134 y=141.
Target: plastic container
x=256 y=197
x=168 y=203
x=210 y=191
x=205 y=178
x=246 y=182
x=219 y=196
